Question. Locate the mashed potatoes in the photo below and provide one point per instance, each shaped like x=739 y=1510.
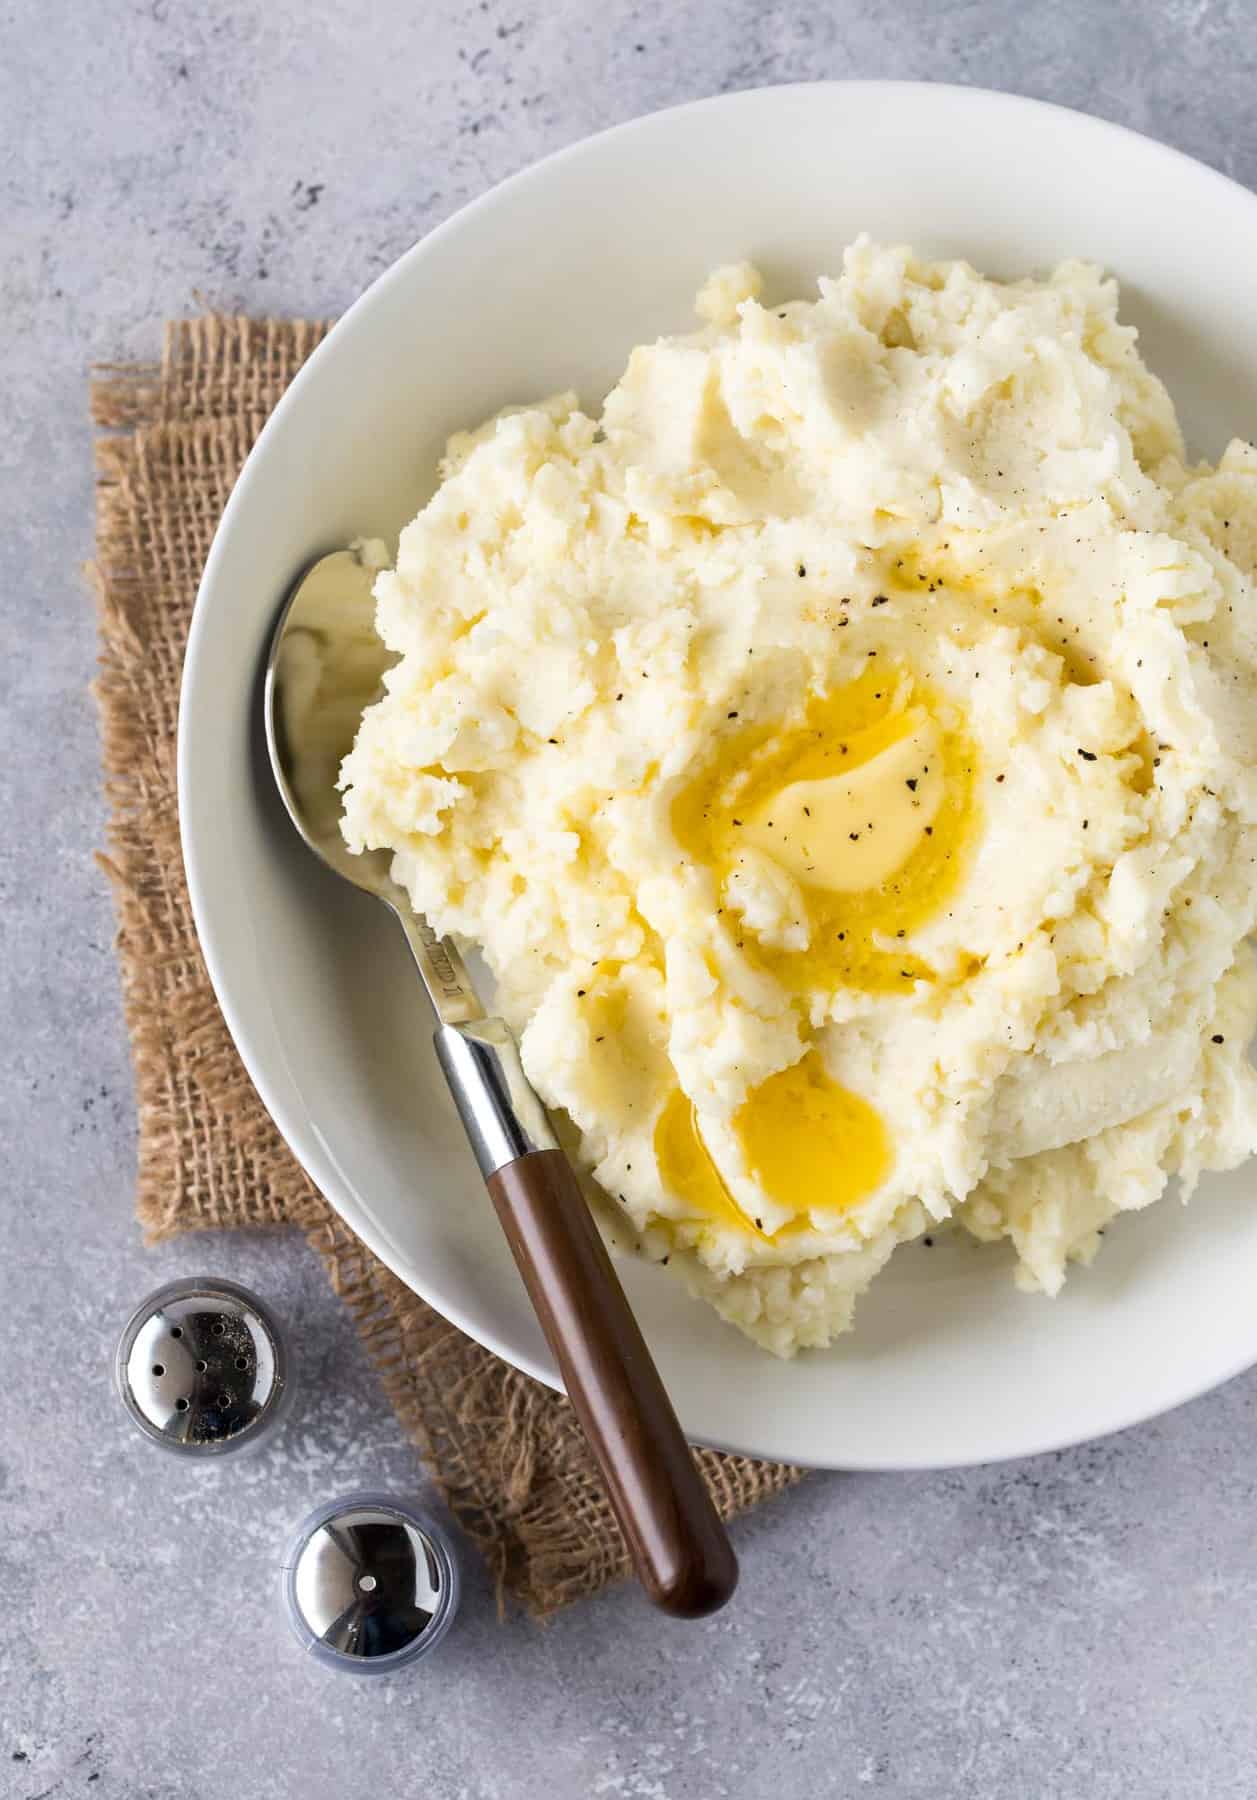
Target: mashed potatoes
x=845 y=752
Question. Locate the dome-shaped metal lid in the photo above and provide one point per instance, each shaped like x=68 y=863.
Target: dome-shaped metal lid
x=202 y=1367
x=370 y=1583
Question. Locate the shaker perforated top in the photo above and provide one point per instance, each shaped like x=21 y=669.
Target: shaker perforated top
x=202 y=1367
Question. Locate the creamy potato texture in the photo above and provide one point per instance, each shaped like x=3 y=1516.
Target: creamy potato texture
x=844 y=751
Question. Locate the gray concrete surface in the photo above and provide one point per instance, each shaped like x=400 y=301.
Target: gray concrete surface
x=1083 y=1625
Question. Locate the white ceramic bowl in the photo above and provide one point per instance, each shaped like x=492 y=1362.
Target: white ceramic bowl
x=546 y=283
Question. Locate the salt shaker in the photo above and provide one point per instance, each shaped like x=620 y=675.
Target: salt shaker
x=202 y=1368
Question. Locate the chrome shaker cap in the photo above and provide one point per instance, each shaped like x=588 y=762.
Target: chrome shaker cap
x=370 y=1584
x=202 y=1367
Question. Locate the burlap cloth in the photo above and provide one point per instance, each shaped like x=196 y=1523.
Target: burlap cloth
x=506 y=1452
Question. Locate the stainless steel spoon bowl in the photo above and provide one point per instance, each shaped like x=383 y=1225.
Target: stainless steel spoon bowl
x=325 y=665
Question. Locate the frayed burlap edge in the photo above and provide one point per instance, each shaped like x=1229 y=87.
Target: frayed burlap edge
x=505 y=1452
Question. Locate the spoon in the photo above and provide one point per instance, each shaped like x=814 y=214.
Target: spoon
x=324 y=667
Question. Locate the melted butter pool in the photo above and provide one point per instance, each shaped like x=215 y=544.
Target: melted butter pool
x=868 y=803
x=809 y=1143
x=851 y=830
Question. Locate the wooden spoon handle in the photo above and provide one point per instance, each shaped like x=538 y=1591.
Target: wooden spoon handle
x=677 y=1543
x=678 y=1546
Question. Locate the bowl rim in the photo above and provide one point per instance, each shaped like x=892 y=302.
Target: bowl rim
x=320 y=1168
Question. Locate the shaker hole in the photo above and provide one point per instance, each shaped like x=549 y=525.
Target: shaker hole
x=366 y=1584
x=181 y=1405
x=218 y=1328
x=202 y=1366
x=176 y=1331
x=242 y=1362
x=159 y=1368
